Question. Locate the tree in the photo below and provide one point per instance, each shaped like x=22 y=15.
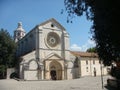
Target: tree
x=105 y=28
x=93 y=49
x=7 y=51
x=2 y=71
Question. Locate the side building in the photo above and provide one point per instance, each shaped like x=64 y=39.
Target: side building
x=87 y=64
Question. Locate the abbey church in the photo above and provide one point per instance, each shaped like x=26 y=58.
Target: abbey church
x=44 y=54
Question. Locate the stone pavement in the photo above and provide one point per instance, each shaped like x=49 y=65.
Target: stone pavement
x=83 y=83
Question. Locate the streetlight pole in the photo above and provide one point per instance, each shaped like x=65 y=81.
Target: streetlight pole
x=101 y=73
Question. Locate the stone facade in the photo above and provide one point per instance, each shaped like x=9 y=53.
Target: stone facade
x=44 y=54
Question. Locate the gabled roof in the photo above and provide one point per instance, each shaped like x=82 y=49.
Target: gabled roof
x=41 y=24
x=54 y=21
x=53 y=55
x=84 y=54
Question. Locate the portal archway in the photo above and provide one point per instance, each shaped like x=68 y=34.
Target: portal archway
x=55 y=70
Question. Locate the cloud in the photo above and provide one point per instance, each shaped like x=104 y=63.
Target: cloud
x=88 y=44
x=75 y=47
x=91 y=42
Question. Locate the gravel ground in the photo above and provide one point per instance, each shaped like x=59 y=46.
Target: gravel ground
x=83 y=83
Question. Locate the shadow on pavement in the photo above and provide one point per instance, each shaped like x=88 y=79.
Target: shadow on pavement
x=110 y=88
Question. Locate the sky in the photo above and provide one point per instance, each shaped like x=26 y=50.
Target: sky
x=34 y=12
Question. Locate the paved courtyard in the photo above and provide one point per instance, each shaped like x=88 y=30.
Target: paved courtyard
x=83 y=83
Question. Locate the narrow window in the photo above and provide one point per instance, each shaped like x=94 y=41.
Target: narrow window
x=18 y=34
x=93 y=61
x=86 y=69
x=86 y=62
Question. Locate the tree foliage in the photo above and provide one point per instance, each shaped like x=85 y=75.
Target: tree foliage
x=93 y=49
x=105 y=29
x=7 y=51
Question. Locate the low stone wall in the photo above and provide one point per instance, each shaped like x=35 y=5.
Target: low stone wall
x=30 y=75
x=9 y=72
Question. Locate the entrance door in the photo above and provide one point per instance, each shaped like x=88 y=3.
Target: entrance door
x=53 y=74
x=55 y=70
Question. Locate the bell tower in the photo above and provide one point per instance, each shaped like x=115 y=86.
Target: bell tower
x=19 y=32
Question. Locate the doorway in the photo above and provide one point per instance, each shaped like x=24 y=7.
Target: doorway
x=53 y=74
x=55 y=70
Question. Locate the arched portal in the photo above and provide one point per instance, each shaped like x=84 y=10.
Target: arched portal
x=55 y=70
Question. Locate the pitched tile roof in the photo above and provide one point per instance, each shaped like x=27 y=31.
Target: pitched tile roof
x=83 y=54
